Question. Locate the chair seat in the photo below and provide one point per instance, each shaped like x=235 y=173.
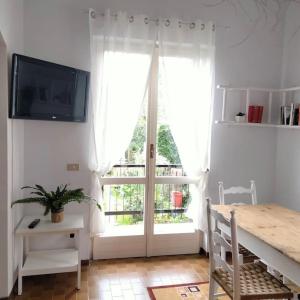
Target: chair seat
x=255 y=283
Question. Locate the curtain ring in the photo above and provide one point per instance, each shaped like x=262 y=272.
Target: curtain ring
x=131 y=19
x=192 y=25
x=179 y=24
x=93 y=14
x=146 y=20
x=202 y=26
x=214 y=27
x=167 y=23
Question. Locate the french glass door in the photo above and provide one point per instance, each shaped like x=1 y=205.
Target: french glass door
x=147 y=194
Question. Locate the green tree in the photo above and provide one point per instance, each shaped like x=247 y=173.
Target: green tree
x=138 y=141
x=130 y=196
x=166 y=145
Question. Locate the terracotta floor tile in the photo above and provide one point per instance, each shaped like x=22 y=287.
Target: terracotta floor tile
x=84 y=296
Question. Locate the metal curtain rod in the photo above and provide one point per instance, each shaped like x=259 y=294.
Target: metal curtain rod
x=156 y=20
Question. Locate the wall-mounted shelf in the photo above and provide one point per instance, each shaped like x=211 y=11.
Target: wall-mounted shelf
x=270 y=122
x=246 y=124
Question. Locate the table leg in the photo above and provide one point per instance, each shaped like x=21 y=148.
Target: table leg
x=27 y=248
x=79 y=262
x=20 y=266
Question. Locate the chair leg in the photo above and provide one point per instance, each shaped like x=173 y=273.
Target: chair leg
x=212 y=288
x=241 y=259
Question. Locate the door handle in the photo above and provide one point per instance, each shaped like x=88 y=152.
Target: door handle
x=151 y=150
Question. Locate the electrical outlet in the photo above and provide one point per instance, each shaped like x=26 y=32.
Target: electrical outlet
x=72 y=235
x=73 y=167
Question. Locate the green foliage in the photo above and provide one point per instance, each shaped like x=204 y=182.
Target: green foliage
x=138 y=140
x=170 y=218
x=166 y=145
x=129 y=219
x=186 y=195
x=55 y=200
x=128 y=196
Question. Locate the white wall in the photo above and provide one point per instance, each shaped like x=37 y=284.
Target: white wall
x=288 y=142
x=57 y=30
x=12 y=143
x=5 y=265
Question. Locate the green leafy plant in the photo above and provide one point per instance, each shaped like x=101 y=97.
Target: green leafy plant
x=137 y=143
x=166 y=145
x=55 y=201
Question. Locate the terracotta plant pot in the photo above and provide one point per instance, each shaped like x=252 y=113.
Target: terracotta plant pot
x=176 y=198
x=57 y=216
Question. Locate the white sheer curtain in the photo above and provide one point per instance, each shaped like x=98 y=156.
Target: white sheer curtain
x=121 y=54
x=186 y=65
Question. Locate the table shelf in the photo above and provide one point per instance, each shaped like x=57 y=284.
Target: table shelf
x=50 y=261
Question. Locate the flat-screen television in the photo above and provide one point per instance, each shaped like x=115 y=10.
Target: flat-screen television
x=42 y=90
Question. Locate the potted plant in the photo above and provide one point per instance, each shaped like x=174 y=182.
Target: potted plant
x=240 y=117
x=176 y=197
x=55 y=201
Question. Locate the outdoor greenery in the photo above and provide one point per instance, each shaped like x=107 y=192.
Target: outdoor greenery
x=170 y=218
x=128 y=197
x=166 y=146
x=54 y=201
x=138 y=142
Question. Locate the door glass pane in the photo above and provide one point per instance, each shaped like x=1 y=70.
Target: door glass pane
x=133 y=162
x=171 y=208
x=124 y=208
x=168 y=162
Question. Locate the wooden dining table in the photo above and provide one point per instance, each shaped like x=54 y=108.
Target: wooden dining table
x=271 y=232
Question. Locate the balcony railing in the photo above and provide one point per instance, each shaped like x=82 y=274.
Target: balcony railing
x=125 y=203
x=123 y=170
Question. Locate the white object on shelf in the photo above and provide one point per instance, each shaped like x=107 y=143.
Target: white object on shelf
x=248 y=90
x=240 y=119
x=48 y=261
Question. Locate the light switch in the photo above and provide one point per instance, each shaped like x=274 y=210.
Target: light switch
x=73 y=167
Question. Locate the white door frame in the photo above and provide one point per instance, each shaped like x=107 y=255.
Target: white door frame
x=149 y=244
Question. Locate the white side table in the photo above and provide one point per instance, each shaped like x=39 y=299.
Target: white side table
x=48 y=261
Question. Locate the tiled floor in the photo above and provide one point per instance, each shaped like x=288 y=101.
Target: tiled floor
x=117 y=279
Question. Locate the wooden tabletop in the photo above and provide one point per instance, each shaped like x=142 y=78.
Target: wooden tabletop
x=277 y=226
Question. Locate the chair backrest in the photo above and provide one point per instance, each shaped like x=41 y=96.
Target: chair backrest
x=237 y=190
x=217 y=227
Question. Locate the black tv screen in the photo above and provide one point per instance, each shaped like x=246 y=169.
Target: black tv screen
x=42 y=90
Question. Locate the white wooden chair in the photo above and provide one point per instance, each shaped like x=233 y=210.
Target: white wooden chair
x=244 y=253
x=235 y=190
x=240 y=282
